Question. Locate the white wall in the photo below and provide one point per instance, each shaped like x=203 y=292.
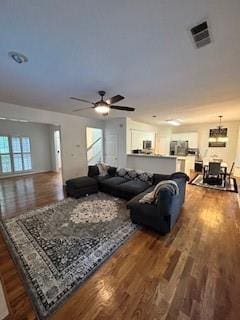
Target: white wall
x=228 y=154
x=162 y=135
x=146 y=131
x=73 y=134
x=39 y=137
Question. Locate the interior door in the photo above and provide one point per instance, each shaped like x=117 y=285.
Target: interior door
x=57 y=150
x=111 y=148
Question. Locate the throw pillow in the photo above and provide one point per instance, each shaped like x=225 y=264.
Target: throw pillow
x=145 y=176
x=103 y=169
x=93 y=171
x=132 y=174
x=121 y=172
x=112 y=171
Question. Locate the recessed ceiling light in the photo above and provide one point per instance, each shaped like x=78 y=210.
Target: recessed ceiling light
x=18 y=57
x=174 y=122
x=18 y=120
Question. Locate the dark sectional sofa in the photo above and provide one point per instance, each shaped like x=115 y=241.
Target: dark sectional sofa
x=133 y=185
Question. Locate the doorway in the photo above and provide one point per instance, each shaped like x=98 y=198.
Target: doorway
x=94 y=138
x=57 y=147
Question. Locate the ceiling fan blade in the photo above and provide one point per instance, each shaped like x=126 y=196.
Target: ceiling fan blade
x=115 y=99
x=122 y=108
x=83 y=109
x=82 y=100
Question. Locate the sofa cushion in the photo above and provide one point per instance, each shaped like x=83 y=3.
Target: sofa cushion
x=102 y=178
x=114 y=181
x=81 y=182
x=135 y=201
x=133 y=187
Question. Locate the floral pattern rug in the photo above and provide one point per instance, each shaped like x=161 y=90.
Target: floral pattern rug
x=58 y=246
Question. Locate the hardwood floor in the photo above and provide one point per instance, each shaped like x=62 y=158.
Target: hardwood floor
x=192 y=273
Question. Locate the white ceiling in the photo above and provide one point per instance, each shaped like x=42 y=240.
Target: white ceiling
x=138 y=48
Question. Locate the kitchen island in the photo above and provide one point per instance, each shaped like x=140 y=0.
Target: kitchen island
x=152 y=163
x=186 y=163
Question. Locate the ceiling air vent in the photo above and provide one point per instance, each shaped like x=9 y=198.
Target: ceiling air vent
x=200 y=34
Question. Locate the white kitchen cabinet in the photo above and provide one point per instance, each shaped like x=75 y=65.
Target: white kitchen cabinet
x=191 y=137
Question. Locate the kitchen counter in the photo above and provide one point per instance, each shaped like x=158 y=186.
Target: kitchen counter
x=152 y=163
x=151 y=155
x=186 y=163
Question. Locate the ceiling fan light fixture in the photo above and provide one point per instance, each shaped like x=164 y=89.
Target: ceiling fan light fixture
x=102 y=108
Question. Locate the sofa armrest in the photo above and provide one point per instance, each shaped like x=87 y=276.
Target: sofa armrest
x=157 y=177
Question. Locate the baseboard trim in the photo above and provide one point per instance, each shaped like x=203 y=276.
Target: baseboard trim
x=25 y=174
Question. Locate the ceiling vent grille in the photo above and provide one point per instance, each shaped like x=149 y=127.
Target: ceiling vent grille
x=201 y=35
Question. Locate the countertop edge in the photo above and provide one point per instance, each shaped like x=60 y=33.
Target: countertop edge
x=151 y=156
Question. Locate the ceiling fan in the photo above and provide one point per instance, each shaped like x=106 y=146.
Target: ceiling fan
x=104 y=106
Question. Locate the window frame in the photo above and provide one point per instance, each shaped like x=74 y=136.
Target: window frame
x=4 y=154
x=11 y=153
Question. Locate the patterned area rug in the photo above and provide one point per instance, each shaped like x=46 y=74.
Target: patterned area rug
x=232 y=186
x=57 y=247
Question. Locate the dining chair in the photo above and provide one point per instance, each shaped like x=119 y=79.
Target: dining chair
x=229 y=174
x=213 y=175
x=214 y=169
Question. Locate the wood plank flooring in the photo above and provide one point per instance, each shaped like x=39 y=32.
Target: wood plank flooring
x=192 y=273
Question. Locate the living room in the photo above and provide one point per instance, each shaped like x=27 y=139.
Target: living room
x=119 y=160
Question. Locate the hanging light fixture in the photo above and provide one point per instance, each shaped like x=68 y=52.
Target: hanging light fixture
x=220 y=134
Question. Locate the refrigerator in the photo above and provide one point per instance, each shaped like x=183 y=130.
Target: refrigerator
x=179 y=148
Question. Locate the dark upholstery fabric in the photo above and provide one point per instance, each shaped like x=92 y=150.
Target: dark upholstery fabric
x=82 y=186
x=109 y=185
x=81 y=182
x=114 y=181
x=159 y=177
x=163 y=214
x=131 y=188
x=160 y=216
x=80 y=192
x=112 y=171
x=179 y=174
x=93 y=171
x=102 y=178
x=135 y=201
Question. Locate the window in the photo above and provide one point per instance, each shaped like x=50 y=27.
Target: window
x=15 y=154
x=5 y=155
